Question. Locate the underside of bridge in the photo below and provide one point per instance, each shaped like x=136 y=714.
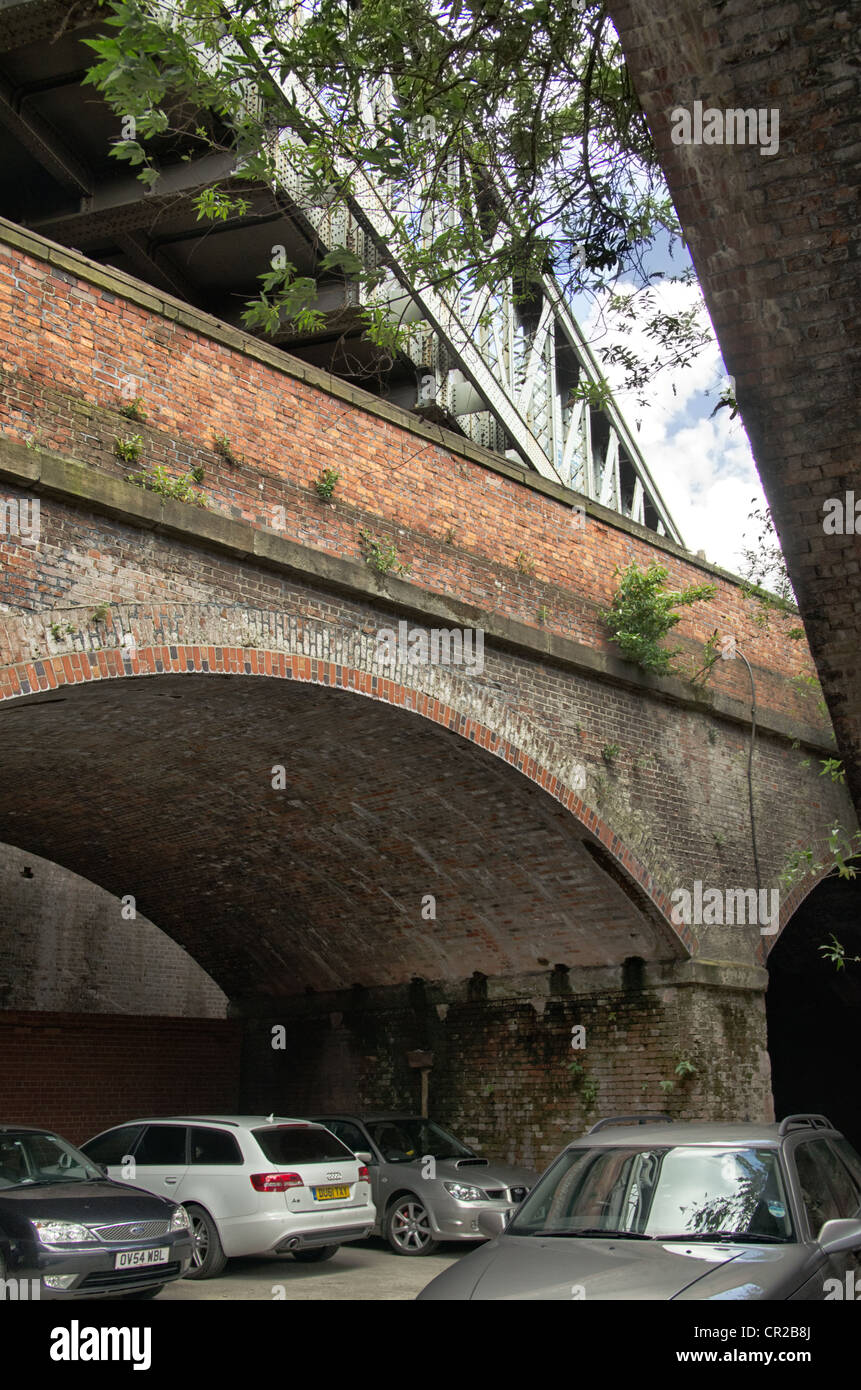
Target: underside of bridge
x=162 y=787
x=395 y=888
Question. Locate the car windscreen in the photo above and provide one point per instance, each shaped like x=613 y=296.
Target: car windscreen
x=408 y=1138
x=28 y=1160
x=691 y=1192
x=285 y=1145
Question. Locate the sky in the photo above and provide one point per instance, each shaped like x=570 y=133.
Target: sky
x=702 y=466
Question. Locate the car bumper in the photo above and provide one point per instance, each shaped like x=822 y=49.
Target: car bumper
x=93 y=1272
x=451 y=1220
x=274 y=1231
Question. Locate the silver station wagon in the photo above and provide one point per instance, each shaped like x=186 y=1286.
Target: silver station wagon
x=678 y=1211
x=251 y=1184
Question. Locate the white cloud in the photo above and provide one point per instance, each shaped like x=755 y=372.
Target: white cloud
x=702 y=466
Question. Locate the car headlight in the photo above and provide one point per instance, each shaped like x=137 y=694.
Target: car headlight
x=179 y=1221
x=62 y=1233
x=462 y=1192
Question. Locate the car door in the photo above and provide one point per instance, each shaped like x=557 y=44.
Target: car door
x=161 y=1159
x=396 y=1169
x=829 y=1193
x=215 y=1176
x=356 y=1137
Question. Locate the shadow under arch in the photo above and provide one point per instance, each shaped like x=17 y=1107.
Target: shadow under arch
x=124 y=731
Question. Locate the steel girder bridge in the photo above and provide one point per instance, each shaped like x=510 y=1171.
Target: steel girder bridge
x=508 y=375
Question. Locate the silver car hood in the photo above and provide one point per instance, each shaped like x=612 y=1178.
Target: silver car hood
x=483 y=1173
x=560 y=1268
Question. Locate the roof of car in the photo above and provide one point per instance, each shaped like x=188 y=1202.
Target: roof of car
x=371 y=1119
x=235 y=1121
x=683 y=1132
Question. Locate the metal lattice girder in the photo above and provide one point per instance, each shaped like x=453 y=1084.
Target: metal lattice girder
x=520 y=399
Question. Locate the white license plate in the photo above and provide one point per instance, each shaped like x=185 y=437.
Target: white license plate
x=135 y=1259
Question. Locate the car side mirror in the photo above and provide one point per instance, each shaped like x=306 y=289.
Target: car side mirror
x=493 y=1223
x=365 y=1156
x=840 y=1235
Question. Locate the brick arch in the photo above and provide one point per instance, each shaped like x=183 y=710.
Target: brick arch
x=202 y=640
x=796 y=896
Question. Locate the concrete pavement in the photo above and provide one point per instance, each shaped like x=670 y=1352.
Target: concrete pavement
x=360 y=1271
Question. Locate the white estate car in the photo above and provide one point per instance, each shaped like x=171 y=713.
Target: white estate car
x=251 y=1184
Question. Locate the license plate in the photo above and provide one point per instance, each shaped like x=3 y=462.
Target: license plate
x=135 y=1259
x=326 y=1194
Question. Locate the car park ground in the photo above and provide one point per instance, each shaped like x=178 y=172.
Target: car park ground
x=362 y=1270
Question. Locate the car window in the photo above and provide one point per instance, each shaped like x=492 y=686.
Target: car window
x=822 y=1201
x=349 y=1134
x=680 y=1192
x=850 y=1158
x=161 y=1144
x=214 y=1146
x=393 y=1143
x=838 y=1176
x=114 y=1146
x=31 y=1157
x=284 y=1144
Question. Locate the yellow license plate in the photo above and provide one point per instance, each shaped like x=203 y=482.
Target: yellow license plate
x=327 y=1194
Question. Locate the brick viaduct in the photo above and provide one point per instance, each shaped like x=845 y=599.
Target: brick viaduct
x=433 y=874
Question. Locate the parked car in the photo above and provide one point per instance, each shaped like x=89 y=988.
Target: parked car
x=251 y=1184
x=68 y=1232
x=420 y=1203
x=678 y=1211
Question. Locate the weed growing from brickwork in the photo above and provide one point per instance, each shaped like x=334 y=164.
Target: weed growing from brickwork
x=381 y=554
x=180 y=489
x=644 y=611
x=222 y=445
x=129 y=449
x=524 y=562
x=324 y=486
x=134 y=410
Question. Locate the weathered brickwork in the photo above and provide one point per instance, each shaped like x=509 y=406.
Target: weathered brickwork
x=505 y=1076
x=81 y=1073
x=67 y=945
x=775 y=241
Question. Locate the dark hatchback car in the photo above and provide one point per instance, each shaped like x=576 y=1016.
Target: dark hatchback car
x=67 y=1231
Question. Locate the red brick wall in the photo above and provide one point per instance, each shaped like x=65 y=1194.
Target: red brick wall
x=68 y=343
x=81 y=1073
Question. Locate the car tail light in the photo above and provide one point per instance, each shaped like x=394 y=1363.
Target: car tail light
x=364 y=1175
x=275 y=1182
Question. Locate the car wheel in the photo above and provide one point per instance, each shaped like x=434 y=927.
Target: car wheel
x=207 y=1257
x=408 y=1227
x=316 y=1255
x=146 y=1293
